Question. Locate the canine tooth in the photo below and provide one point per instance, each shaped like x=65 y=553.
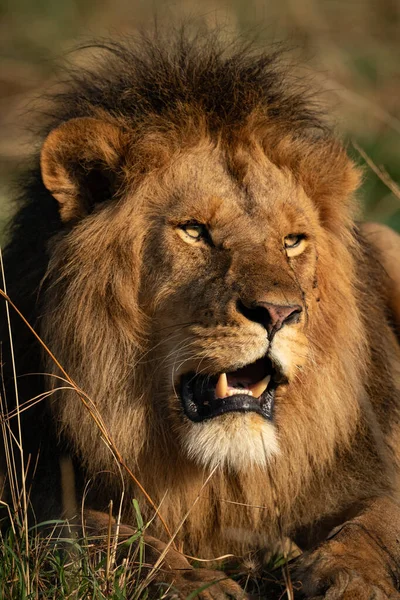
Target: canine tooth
x=222 y=386
x=258 y=388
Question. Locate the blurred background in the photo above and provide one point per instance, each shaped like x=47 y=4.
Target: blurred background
x=349 y=48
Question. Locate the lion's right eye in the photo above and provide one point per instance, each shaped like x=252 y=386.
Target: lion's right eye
x=193 y=232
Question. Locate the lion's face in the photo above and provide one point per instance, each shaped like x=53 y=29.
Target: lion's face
x=203 y=263
x=229 y=293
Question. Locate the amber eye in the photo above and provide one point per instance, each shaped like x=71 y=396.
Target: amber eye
x=294 y=244
x=292 y=241
x=193 y=232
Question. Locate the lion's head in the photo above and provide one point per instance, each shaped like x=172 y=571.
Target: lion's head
x=200 y=288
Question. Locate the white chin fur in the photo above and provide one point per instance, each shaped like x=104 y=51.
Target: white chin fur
x=236 y=441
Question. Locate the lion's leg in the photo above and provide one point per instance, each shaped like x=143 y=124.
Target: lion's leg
x=174 y=577
x=360 y=559
x=387 y=242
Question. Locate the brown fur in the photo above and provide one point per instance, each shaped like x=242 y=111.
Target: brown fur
x=128 y=306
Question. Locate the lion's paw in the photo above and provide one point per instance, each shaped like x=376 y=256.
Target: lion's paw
x=204 y=584
x=329 y=576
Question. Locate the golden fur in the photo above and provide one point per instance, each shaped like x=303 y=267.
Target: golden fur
x=317 y=415
x=129 y=306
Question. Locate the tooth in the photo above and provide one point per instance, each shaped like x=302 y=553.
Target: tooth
x=222 y=386
x=258 y=388
x=239 y=392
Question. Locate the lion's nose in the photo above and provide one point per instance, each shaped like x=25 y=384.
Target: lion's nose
x=271 y=316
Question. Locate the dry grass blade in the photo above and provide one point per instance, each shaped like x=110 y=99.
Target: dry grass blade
x=23 y=492
x=94 y=413
x=160 y=559
x=109 y=553
x=379 y=171
x=285 y=566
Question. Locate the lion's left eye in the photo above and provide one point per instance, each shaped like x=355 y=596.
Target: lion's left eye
x=291 y=241
x=294 y=244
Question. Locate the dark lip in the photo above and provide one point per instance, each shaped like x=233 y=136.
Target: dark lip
x=209 y=407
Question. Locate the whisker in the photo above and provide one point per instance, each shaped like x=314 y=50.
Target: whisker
x=165 y=341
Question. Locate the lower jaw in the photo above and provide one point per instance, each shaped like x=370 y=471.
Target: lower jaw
x=236 y=442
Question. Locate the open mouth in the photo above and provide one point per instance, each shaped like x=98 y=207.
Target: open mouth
x=248 y=389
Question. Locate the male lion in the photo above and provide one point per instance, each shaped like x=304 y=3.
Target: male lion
x=187 y=248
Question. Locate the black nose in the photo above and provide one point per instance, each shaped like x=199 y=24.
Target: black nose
x=271 y=316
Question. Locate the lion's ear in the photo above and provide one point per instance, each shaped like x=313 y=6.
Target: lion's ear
x=81 y=164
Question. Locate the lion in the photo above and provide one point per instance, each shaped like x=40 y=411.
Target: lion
x=187 y=245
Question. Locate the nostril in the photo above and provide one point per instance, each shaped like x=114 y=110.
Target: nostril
x=271 y=316
x=282 y=314
x=294 y=316
x=255 y=313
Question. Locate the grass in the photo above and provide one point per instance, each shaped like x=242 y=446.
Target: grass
x=54 y=566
